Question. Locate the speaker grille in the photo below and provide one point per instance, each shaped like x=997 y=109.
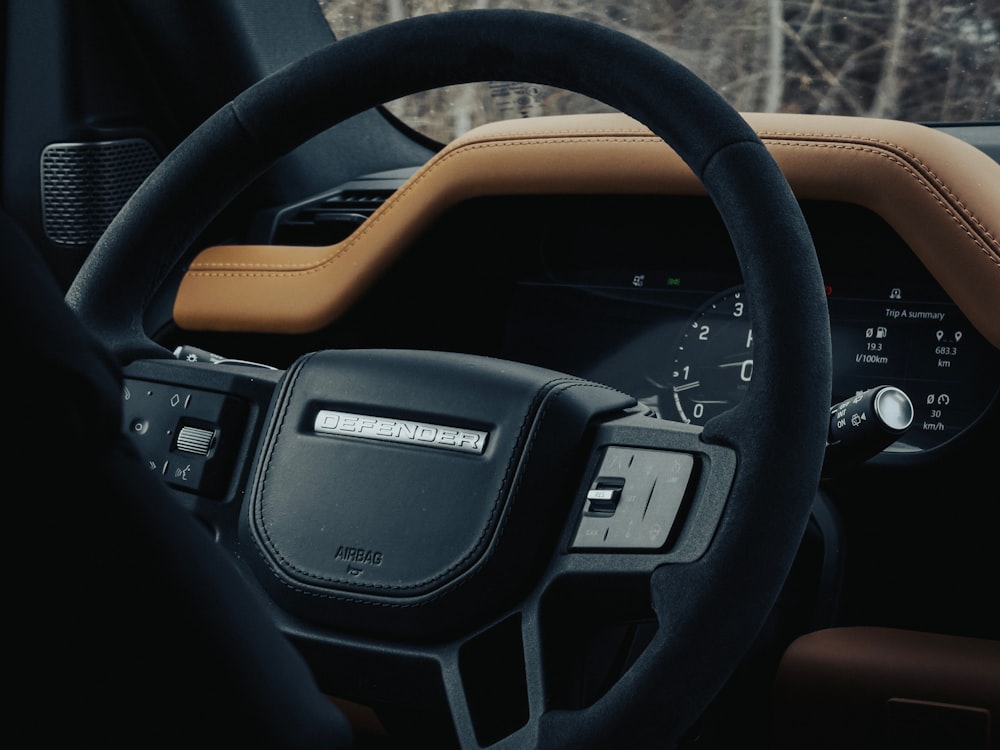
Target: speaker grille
x=84 y=185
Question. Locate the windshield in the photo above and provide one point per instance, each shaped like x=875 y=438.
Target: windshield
x=919 y=60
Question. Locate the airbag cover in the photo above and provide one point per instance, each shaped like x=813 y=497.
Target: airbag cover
x=389 y=515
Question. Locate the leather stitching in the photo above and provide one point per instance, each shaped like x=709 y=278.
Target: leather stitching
x=302 y=269
x=885 y=149
x=877 y=145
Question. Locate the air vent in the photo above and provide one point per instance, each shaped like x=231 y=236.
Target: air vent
x=328 y=219
x=360 y=199
x=331 y=216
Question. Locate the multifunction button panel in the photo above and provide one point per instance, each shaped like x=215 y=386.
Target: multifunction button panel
x=188 y=436
x=634 y=499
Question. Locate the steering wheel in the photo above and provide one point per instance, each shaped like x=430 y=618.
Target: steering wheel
x=457 y=574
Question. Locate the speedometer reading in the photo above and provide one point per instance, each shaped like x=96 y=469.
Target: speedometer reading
x=713 y=361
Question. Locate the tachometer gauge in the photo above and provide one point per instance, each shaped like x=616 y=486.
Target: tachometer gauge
x=713 y=360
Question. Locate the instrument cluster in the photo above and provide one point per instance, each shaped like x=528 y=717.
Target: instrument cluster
x=665 y=317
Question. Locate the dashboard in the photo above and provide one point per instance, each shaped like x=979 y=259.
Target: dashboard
x=643 y=293
x=583 y=245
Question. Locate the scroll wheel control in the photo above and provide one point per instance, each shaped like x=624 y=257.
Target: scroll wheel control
x=196 y=440
x=603 y=497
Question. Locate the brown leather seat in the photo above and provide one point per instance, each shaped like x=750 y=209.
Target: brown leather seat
x=870 y=687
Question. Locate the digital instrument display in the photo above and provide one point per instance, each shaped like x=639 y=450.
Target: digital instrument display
x=673 y=329
x=924 y=347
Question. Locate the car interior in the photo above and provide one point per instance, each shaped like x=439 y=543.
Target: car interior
x=667 y=425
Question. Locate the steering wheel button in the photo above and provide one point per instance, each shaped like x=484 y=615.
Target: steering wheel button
x=637 y=511
x=592 y=534
x=187 y=435
x=185 y=474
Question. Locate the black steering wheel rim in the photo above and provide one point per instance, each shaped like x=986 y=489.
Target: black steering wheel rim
x=783 y=415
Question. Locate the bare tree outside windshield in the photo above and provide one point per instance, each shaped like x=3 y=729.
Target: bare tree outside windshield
x=919 y=60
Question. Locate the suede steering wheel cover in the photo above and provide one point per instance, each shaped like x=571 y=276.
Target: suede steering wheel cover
x=709 y=611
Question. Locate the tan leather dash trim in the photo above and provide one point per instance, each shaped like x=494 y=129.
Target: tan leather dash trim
x=938 y=193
